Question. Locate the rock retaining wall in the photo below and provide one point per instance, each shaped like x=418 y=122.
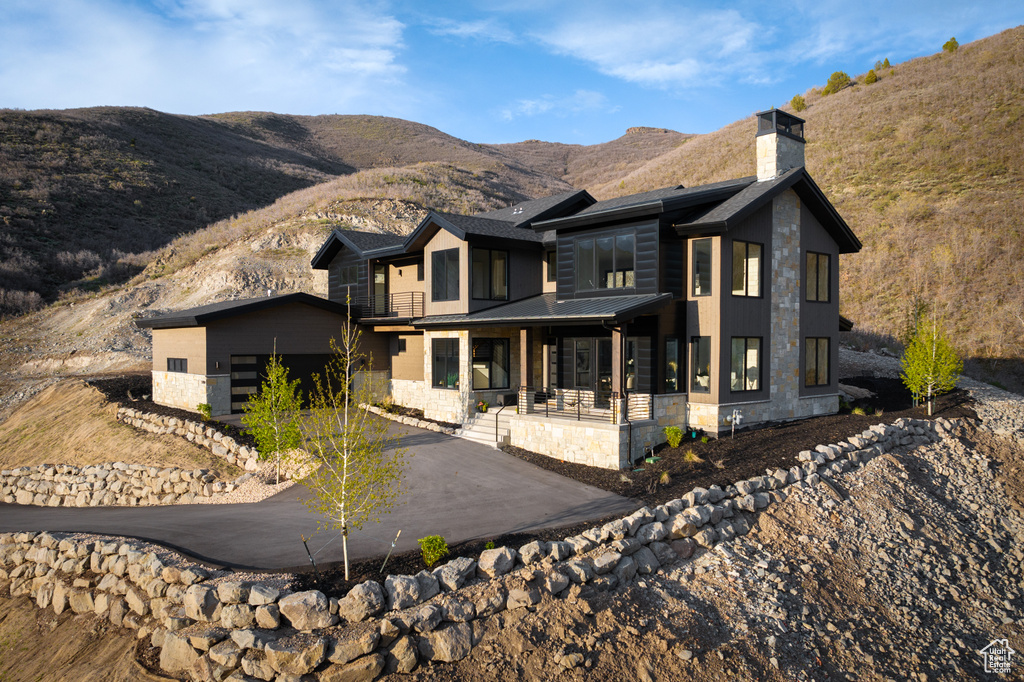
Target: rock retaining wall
x=199 y=433
x=213 y=627
x=112 y=484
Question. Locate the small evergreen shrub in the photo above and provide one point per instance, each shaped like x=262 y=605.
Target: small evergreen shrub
x=798 y=103
x=205 y=410
x=674 y=434
x=872 y=77
x=489 y=544
x=434 y=548
x=704 y=439
x=885 y=64
x=836 y=82
x=950 y=45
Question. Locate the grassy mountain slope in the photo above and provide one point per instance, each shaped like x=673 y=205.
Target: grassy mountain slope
x=927 y=167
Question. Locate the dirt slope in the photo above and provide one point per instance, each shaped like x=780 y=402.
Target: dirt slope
x=71 y=423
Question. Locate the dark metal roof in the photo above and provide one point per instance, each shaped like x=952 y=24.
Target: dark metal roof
x=647 y=203
x=845 y=324
x=740 y=206
x=198 y=317
x=548 y=310
x=364 y=244
x=555 y=206
x=462 y=226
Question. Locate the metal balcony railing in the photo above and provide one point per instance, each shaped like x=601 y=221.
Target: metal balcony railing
x=584 y=405
x=405 y=304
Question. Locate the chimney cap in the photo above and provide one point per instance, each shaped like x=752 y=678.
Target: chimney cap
x=781 y=122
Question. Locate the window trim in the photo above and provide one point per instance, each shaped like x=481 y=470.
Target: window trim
x=177 y=365
x=592 y=239
x=693 y=266
x=694 y=358
x=818 y=258
x=451 y=354
x=746 y=351
x=816 y=342
x=746 y=269
x=490 y=341
x=490 y=273
x=444 y=257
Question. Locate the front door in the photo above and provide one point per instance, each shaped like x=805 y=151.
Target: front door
x=593 y=368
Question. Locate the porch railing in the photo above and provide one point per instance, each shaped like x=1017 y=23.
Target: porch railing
x=404 y=304
x=584 y=405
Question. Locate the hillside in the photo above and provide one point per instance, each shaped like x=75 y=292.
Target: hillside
x=927 y=167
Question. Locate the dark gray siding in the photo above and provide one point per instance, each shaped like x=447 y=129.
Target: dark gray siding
x=335 y=290
x=646 y=261
x=672 y=267
x=819 y=319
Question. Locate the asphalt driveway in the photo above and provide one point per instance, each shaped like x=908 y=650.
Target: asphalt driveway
x=453 y=487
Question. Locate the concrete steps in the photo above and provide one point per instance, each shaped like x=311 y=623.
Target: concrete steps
x=480 y=428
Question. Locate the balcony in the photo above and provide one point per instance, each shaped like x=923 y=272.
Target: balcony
x=406 y=305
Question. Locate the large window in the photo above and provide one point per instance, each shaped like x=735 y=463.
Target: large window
x=490 y=274
x=444 y=285
x=348 y=274
x=746 y=268
x=700 y=364
x=446 y=363
x=671 y=365
x=745 y=374
x=177 y=365
x=817 y=277
x=490 y=363
x=606 y=262
x=816 y=357
x=701 y=251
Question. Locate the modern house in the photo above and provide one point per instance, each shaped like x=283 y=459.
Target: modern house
x=606 y=320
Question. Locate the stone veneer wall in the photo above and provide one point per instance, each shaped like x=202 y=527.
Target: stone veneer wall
x=185 y=391
x=210 y=625
x=446 y=404
x=777 y=154
x=715 y=418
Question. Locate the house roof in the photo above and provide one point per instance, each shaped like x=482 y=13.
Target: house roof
x=364 y=244
x=656 y=202
x=742 y=204
x=527 y=212
x=547 y=309
x=462 y=226
x=198 y=317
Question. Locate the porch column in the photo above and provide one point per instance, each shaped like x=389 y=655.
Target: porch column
x=618 y=371
x=526 y=356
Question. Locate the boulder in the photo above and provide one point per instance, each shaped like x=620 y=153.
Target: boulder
x=233 y=592
x=262 y=594
x=403 y=591
x=177 y=654
x=646 y=561
x=533 y=551
x=604 y=563
x=235 y=616
x=352 y=644
x=298 y=655
x=429 y=587
x=268 y=616
x=496 y=562
x=306 y=611
x=200 y=602
x=456 y=572
x=625 y=570
x=519 y=598
x=401 y=658
x=363 y=669
x=555 y=582
x=447 y=644
x=364 y=600
x=427 y=618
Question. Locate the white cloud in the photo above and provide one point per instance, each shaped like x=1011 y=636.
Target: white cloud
x=488 y=30
x=202 y=56
x=578 y=102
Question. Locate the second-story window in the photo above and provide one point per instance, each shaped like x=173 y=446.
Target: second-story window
x=490 y=274
x=746 y=268
x=701 y=267
x=348 y=274
x=817 y=277
x=444 y=275
x=606 y=262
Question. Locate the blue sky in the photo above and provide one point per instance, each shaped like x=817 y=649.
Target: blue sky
x=575 y=72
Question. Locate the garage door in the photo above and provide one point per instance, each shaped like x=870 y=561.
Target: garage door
x=248 y=372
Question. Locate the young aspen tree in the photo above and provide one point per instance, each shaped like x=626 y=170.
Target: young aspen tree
x=272 y=415
x=931 y=366
x=358 y=471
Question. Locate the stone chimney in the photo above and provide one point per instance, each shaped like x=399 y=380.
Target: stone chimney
x=780 y=143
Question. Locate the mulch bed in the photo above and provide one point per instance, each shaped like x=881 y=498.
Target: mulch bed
x=749 y=454
x=136 y=390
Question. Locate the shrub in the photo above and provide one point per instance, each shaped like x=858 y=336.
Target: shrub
x=674 y=434
x=704 y=439
x=885 y=64
x=489 y=544
x=798 y=103
x=434 y=548
x=205 y=410
x=859 y=411
x=950 y=45
x=836 y=82
x=691 y=457
x=665 y=478
x=872 y=77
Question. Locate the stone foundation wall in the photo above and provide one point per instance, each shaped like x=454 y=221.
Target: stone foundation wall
x=583 y=442
x=210 y=625
x=718 y=418
x=185 y=391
